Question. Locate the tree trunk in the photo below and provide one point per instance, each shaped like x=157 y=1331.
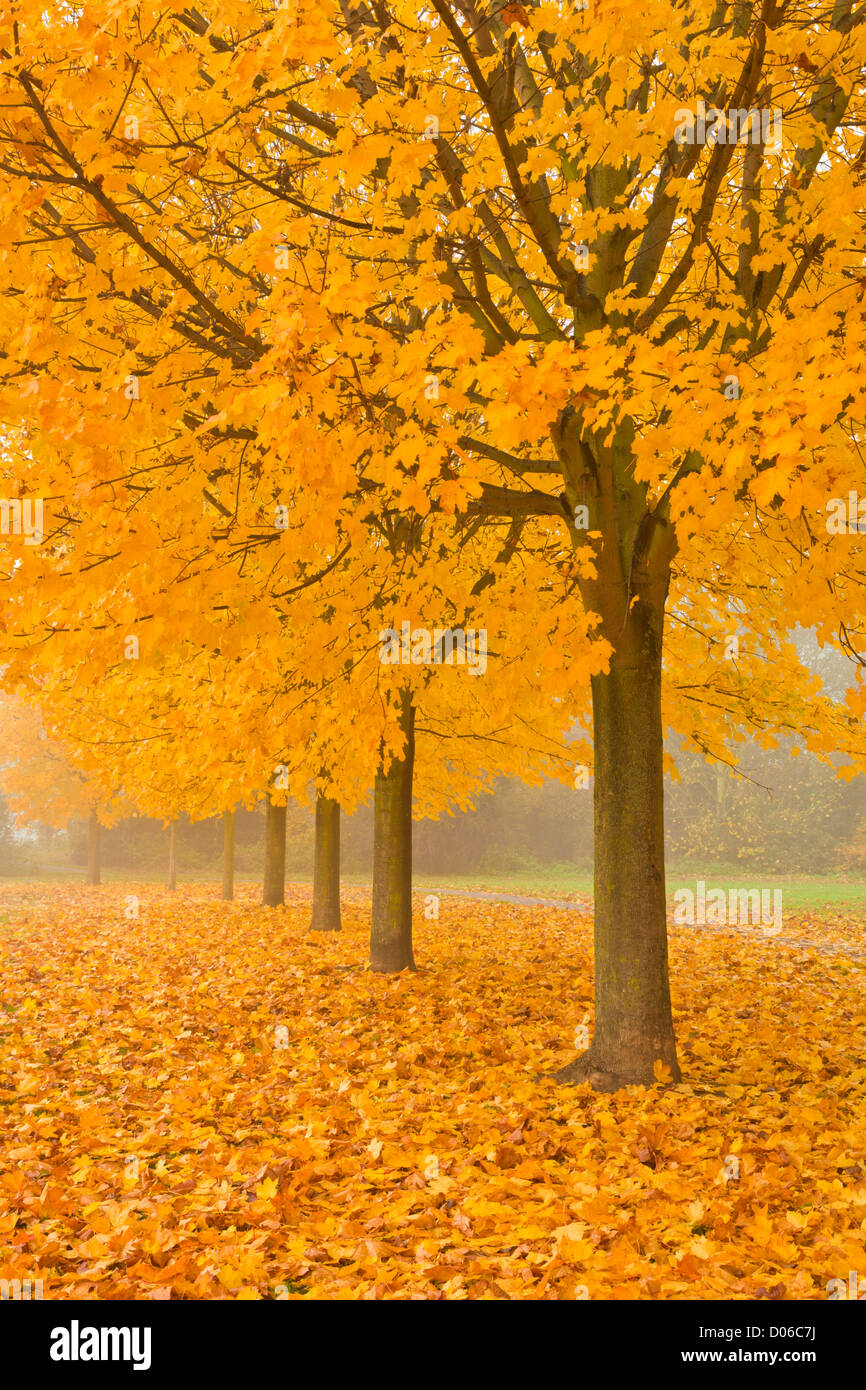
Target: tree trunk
x=391 y=927
x=633 y=1022
x=172 y=857
x=274 y=893
x=326 y=872
x=94 y=845
x=228 y=855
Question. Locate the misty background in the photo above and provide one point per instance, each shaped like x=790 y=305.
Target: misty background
x=794 y=816
x=783 y=814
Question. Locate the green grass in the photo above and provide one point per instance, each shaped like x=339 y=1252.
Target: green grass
x=536 y=882
x=140 y=875
x=800 y=891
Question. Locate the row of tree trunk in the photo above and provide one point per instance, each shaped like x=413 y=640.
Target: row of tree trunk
x=391 y=923
x=633 y=1019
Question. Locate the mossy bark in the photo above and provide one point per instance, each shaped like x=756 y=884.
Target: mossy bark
x=274 y=890
x=94 y=850
x=172 y=857
x=326 y=870
x=633 y=1021
x=228 y=855
x=391 y=926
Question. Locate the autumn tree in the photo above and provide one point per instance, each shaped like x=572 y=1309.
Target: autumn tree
x=187 y=727
x=608 y=288
x=502 y=265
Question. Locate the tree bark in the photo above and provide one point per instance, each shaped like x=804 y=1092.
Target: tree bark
x=172 y=857
x=274 y=890
x=635 y=541
x=326 y=871
x=228 y=855
x=633 y=1021
x=391 y=926
x=94 y=847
